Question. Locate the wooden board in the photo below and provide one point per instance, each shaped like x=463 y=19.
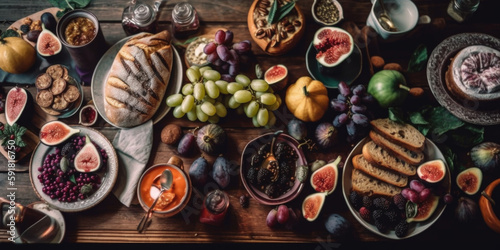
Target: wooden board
x=34 y=17
x=29 y=137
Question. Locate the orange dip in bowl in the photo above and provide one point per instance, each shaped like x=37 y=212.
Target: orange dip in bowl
x=180 y=189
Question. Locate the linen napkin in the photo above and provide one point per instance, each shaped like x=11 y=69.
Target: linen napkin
x=133 y=147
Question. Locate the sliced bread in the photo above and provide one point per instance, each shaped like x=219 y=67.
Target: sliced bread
x=381 y=173
x=403 y=134
x=410 y=156
x=375 y=154
x=368 y=185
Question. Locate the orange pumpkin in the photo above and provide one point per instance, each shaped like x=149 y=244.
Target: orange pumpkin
x=16 y=55
x=307 y=99
x=486 y=207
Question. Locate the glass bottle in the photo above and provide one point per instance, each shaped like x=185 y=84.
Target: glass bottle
x=185 y=20
x=461 y=10
x=140 y=16
x=215 y=206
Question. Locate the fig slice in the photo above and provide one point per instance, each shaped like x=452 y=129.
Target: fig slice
x=88 y=158
x=432 y=171
x=312 y=205
x=333 y=45
x=56 y=132
x=277 y=77
x=17 y=105
x=469 y=180
x=325 y=178
x=425 y=209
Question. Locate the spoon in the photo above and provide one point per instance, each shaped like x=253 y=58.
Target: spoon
x=166 y=180
x=270 y=162
x=384 y=19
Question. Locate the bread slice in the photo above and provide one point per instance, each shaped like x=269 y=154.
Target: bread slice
x=368 y=185
x=375 y=154
x=410 y=156
x=381 y=173
x=403 y=134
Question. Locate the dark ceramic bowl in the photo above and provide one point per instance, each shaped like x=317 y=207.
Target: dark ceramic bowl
x=246 y=157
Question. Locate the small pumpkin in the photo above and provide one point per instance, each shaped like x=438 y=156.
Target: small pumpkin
x=486 y=207
x=307 y=99
x=16 y=55
x=211 y=139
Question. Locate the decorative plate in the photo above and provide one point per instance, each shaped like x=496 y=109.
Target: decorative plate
x=246 y=157
x=101 y=74
x=347 y=71
x=431 y=152
x=438 y=65
x=108 y=177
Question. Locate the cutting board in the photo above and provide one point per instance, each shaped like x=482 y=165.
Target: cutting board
x=34 y=17
x=29 y=137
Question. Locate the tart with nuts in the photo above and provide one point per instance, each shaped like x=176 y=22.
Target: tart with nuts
x=275 y=25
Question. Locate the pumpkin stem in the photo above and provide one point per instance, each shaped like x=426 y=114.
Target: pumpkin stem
x=306 y=93
x=207 y=138
x=194 y=130
x=488 y=197
x=401 y=86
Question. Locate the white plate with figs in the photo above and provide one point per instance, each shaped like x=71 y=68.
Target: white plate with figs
x=431 y=152
x=108 y=172
x=101 y=74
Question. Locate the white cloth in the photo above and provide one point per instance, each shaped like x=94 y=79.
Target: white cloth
x=133 y=147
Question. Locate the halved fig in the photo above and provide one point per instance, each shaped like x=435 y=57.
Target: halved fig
x=425 y=209
x=48 y=44
x=17 y=105
x=312 y=205
x=469 y=180
x=325 y=178
x=88 y=158
x=432 y=171
x=333 y=45
x=55 y=132
x=277 y=77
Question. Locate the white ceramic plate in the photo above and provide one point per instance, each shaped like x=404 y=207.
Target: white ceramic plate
x=101 y=74
x=108 y=176
x=431 y=152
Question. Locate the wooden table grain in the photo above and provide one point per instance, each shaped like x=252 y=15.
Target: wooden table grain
x=112 y=222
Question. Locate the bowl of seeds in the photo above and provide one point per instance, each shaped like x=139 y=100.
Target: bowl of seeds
x=327 y=12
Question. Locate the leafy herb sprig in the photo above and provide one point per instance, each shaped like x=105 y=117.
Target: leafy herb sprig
x=277 y=13
x=16 y=132
x=69 y=5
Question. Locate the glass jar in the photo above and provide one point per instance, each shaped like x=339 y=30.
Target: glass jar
x=185 y=20
x=139 y=17
x=461 y=10
x=215 y=207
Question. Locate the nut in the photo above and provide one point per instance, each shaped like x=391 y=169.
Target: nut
x=394 y=66
x=377 y=61
x=290 y=28
x=260 y=33
x=171 y=134
x=261 y=23
x=297 y=23
x=283 y=34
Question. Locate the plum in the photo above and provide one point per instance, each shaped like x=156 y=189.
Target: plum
x=338 y=226
x=221 y=172
x=198 y=171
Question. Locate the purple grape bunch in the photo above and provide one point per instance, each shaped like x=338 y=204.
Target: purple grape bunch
x=352 y=108
x=227 y=57
x=68 y=185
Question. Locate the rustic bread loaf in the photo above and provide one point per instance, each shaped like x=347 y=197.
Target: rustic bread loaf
x=381 y=173
x=138 y=79
x=368 y=185
x=401 y=133
x=410 y=156
x=375 y=154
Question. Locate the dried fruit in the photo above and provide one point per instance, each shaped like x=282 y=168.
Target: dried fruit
x=469 y=180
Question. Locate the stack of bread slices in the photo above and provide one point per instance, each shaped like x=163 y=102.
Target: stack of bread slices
x=388 y=159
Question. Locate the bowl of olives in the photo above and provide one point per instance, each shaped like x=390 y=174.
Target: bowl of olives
x=268 y=168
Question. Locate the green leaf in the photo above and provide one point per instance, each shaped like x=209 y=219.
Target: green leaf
x=10 y=33
x=284 y=10
x=418 y=60
x=449 y=156
x=68 y=5
x=272 y=11
x=467 y=136
x=418 y=118
x=442 y=121
x=397 y=114
x=72 y=179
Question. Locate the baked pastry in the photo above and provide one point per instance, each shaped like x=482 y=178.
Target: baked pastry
x=280 y=36
x=138 y=79
x=368 y=185
x=381 y=173
x=379 y=156
x=403 y=134
x=410 y=156
x=474 y=74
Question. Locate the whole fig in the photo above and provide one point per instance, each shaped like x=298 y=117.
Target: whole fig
x=486 y=156
x=338 y=226
x=467 y=211
x=198 y=171
x=297 y=129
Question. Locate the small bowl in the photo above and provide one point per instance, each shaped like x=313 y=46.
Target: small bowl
x=84 y=119
x=246 y=157
x=404 y=14
x=331 y=4
x=195 y=49
x=181 y=186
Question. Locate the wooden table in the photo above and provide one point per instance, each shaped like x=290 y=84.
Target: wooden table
x=110 y=221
